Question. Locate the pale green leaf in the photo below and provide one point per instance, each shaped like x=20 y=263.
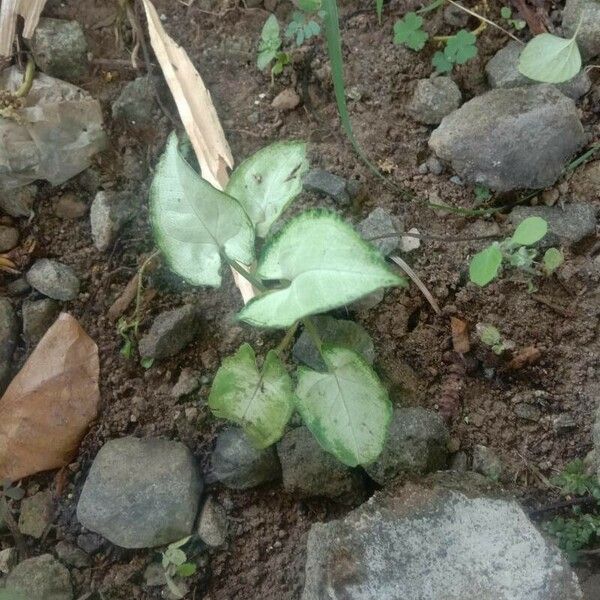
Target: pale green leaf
x=265 y=57
x=260 y=402
x=175 y=556
x=194 y=223
x=268 y=181
x=550 y=59
x=186 y=569
x=324 y=263
x=485 y=264
x=488 y=334
x=347 y=408
x=553 y=258
x=270 y=30
x=530 y=231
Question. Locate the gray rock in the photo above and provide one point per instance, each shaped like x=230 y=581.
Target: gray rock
x=331 y=185
x=528 y=412
x=503 y=72
x=459 y=462
x=37 y=513
x=212 y=524
x=141 y=493
x=570 y=225
x=368 y=302
x=586 y=12
x=9 y=238
x=308 y=470
x=438 y=540
x=72 y=555
x=18 y=202
x=108 y=213
x=135 y=103
x=333 y=331
x=60 y=49
x=38 y=316
x=40 y=578
x=237 y=464
x=486 y=462
x=188 y=382
x=379 y=229
x=512 y=138
x=53 y=279
x=171 y=332
x=434 y=166
x=455 y=16
x=90 y=543
x=564 y=423
x=8 y=559
x=433 y=99
x=18 y=287
x=9 y=336
x=416 y=443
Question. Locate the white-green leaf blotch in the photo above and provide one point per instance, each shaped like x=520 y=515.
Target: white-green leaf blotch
x=268 y=181
x=346 y=408
x=194 y=223
x=261 y=402
x=550 y=59
x=485 y=264
x=529 y=231
x=323 y=264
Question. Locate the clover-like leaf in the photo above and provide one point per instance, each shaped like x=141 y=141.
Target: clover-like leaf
x=323 y=264
x=194 y=223
x=461 y=47
x=261 y=402
x=550 y=59
x=346 y=408
x=553 y=258
x=268 y=181
x=408 y=31
x=485 y=265
x=530 y=231
x=441 y=63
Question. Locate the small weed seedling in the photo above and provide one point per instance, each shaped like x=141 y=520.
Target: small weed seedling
x=301 y=28
x=491 y=337
x=175 y=564
x=315 y=263
x=580 y=530
x=269 y=48
x=516 y=252
x=507 y=14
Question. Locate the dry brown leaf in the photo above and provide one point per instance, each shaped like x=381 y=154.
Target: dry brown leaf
x=10 y=11
x=460 y=335
x=197 y=113
x=49 y=405
x=524 y=358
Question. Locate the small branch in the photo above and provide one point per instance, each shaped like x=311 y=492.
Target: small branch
x=437 y=238
x=25 y=87
x=555 y=506
x=428 y=295
x=140 y=287
x=287 y=339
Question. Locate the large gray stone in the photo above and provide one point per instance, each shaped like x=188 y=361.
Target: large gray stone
x=108 y=213
x=141 y=493
x=9 y=336
x=512 y=138
x=38 y=316
x=60 y=49
x=416 y=443
x=36 y=515
x=53 y=279
x=433 y=99
x=135 y=102
x=40 y=578
x=323 y=182
x=436 y=541
x=171 y=332
x=18 y=202
x=586 y=12
x=503 y=72
x=308 y=470
x=237 y=464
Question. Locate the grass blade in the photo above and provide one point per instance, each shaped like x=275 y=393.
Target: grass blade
x=379 y=9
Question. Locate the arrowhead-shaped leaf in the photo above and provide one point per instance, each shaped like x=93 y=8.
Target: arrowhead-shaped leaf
x=260 y=402
x=268 y=181
x=530 y=231
x=347 y=408
x=194 y=223
x=485 y=264
x=325 y=263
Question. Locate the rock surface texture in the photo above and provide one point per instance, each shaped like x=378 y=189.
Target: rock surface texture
x=40 y=578
x=588 y=13
x=438 y=540
x=433 y=99
x=512 y=138
x=141 y=493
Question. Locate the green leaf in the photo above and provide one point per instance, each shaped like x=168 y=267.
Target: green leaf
x=505 y=12
x=550 y=59
x=264 y=58
x=324 y=263
x=260 y=402
x=553 y=258
x=270 y=31
x=379 y=9
x=309 y=5
x=461 y=47
x=441 y=63
x=194 y=223
x=186 y=569
x=488 y=334
x=175 y=556
x=147 y=362
x=268 y=181
x=408 y=31
x=530 y=231
x=347 y=408
x=485 y=264
x=312 y=29
x=270 y=43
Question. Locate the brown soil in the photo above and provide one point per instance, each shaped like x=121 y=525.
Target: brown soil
x=265 y=557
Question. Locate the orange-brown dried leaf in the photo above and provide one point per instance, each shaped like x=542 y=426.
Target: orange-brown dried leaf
x=460 y=335
x=50 y=403
x=525 y=358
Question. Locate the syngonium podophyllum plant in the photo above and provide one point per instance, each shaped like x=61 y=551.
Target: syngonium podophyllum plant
x=315 y=263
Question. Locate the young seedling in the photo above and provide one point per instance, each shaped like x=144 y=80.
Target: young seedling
x=491 y=337
x=460 y=49
x=315 y=263
x=175 y=564
x=269 y=48
x=516 y=252
x=302 y=28
x=506 y=13
x=482 y=194
x=409 y=31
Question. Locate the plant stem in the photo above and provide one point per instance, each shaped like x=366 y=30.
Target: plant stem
x=255 y=281
x=140 y=287
x=25 y=87
x=287 y=339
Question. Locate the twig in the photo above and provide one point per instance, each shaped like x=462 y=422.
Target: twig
x=13 y=527
x=436 y=238
x=555 y=506
x=565 y=312
x=428 y=295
